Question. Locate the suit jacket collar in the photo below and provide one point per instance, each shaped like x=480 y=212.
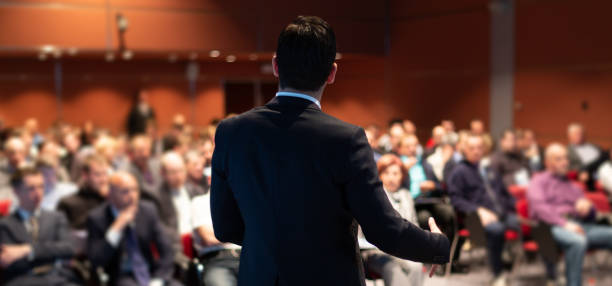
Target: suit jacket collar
x=288 y=102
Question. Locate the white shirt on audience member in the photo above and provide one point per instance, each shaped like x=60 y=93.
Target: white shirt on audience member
x=202 y=217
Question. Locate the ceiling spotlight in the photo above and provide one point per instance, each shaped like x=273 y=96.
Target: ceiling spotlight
x=214 y=54
x=73 y=51
x=110 y=56
x=230 y=59
x=253 y=57
x=47 y=48
x=127 y=55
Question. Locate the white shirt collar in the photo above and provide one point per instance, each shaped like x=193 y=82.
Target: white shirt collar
x=299 y=95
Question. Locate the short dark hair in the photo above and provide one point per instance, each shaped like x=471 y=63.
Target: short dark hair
x=19 y=176
x=305 y=53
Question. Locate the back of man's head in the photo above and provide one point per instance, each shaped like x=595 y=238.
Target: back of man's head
x=305 y=54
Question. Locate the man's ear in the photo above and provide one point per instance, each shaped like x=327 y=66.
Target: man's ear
x=274 y=66
x=332 y=74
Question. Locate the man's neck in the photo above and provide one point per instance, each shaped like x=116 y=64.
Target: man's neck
x=314 y=94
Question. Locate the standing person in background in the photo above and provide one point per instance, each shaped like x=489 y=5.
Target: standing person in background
x=140 y=114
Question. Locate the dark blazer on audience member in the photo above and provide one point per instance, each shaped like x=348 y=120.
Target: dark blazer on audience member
x=149 y=232
x=467 y=190
x=290 y=183
x=54 y=243
x=76 y=207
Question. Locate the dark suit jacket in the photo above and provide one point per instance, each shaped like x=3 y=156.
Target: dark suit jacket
x=76 y=207
x=54 y=242
x=136 y=122
x=149 y=232
x=290 y=183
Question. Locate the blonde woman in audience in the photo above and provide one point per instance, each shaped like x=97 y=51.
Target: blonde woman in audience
x=394 y=271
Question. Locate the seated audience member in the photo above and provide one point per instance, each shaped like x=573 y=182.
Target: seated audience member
x=392 y=270
x=477 y=127
x=91 y=194
x=473 y=189
x=509 y=162
x=221 y=260
x=121 y=234
x=449 y=129
x=57 y=184
x=15 y=156
x=71 y=145
x=604 y=175
x=425 y=189
x=457 y=156
x=388 y=142
x=436 y=137
x=173 y=200
x=585 y=158
x=34 y=241
x=195 y=162
x=409 y=127
x=555 y=200
x=145 y=168
x=441 y=155
x=527 y=144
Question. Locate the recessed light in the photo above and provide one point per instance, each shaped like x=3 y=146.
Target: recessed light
x=47 y=48
x=230 y=59
x=253 y=57
x=73 y=51
x=127 y=55
x=214 y=54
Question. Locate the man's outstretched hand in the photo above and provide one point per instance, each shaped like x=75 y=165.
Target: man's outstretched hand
x=434 y=229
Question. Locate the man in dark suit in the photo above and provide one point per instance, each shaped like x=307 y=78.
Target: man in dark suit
x=34 y=242
x=140 y=115
x=291 y=183
x=92 y=193
x=121 y=235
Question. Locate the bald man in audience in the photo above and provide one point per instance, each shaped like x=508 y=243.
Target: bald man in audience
x=555 y=200
x=173 y=200
x=121 y=234
x=15 y=155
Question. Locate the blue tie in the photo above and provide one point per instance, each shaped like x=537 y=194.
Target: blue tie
x=140 y=267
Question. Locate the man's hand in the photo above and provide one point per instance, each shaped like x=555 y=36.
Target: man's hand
x=583 y=207
x=427 y=186
x=11 y=253
x=434 y=229
x=574 y=227
x=486 y=216
x=125 y=217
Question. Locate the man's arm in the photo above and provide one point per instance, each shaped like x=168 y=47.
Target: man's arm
x=381 y=224
x=227 y=220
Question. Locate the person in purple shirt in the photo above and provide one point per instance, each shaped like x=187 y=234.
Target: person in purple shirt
x=555 y=200
x=475 y=189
